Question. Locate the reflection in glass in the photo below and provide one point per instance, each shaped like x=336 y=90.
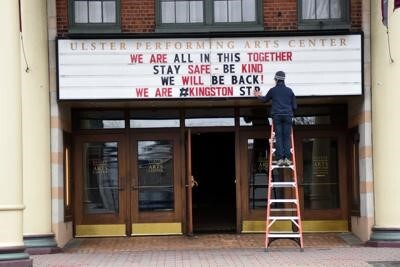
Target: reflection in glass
x=159 y=118
x=100 y=177
x=95 y=119
x=209 y=122
x=209 y=117
x=257 y=154
x=320 y=172
x=155 y=163
x=258 y=172
x=81 y=11
x=312 y=120
x=234 y=10
x=181 y=11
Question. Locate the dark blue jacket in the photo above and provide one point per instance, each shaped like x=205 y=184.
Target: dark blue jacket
x=283 y=100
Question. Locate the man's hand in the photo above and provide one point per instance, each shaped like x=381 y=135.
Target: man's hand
x=256 y=93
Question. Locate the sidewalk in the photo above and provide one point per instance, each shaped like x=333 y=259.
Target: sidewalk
x=219 y=250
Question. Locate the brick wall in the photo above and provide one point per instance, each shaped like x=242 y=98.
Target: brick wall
x=62 y=16
x=138 y=16
x=356 y=14
x=280 y=15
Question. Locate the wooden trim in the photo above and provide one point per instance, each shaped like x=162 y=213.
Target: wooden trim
x=310 y=226
x=238 y=176
x=188 y=184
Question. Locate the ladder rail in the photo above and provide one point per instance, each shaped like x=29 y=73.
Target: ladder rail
x=271 y=151
x=299 y=225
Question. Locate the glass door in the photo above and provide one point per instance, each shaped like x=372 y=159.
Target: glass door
x=100 y=179
x=156 y=206
x=322 y=174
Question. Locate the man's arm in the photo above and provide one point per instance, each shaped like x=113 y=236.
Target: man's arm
x=265 y=98
x=294 y=103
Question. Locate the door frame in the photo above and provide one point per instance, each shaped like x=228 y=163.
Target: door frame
x=153 y=217
x=328 y=214
x=188 y=172
x=90 y=222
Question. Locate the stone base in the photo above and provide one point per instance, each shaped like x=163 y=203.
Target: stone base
x=42 y=251
x=384 y=237
x=41 y=244
x=14 y=257
x=17 y=263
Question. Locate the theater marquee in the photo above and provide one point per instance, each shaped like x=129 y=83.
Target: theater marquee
x=207 y=67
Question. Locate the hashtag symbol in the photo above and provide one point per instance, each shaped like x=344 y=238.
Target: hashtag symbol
x=184 y=92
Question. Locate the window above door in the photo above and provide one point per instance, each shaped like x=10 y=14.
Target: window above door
x=323 y=14
x=94 y=16
x=209 y=15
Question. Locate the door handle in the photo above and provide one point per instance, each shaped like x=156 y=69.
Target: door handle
x=194 y=182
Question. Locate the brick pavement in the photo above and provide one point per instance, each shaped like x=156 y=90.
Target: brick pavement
x=218 y=250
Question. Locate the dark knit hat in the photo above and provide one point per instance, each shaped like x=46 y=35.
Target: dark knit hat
x=280 y=76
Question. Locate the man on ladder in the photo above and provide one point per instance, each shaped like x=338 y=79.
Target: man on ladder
x=281 y=140
x=283 y=106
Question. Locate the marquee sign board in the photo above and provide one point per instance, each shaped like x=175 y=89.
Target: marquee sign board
x=207 y=67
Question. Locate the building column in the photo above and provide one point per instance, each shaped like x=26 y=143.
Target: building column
x=386 y=127
x=38 y=236
x=12 y=250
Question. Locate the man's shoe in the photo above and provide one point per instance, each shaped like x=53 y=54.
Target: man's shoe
x=280 y=162
x=287 y=162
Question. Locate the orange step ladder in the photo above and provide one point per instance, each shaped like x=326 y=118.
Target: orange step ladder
x=288 y=208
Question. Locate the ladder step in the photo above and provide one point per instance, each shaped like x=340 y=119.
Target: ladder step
x=274 y=166
x=287 y=235
x=283 y=209
x=283 y=200
x=283 y=184
x=283 y=218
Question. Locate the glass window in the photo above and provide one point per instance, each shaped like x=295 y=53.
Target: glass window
x=258 y=172
x=101 y=194
x=323 y=14
x=254 y=117
x=304 y=115
x=320 y=173
x=235 y=11
x=258 y=161
x=208 y=13
x=173 y=11
x=99 y=120
x=155 y=164
x=94 y=15
x=209 y=117
x=154 y=118
x=312 y=120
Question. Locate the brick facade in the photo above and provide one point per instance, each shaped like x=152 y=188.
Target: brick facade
x=140 y=16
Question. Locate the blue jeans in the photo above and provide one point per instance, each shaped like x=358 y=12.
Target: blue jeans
x=283 y=127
